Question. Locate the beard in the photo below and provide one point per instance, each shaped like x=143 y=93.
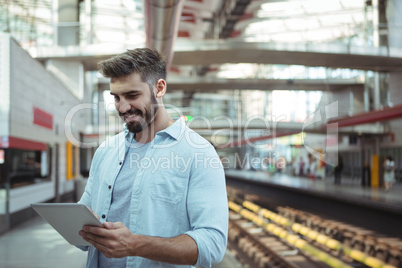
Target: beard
x=146 y=118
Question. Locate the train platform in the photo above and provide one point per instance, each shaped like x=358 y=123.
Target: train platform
x=350 y=189
x=35 y=244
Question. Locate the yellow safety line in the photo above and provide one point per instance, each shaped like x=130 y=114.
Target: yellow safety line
x=292 y=239
x=320 y=238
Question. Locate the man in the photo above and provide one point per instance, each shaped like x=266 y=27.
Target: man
x=338 y=170
x=158 y=186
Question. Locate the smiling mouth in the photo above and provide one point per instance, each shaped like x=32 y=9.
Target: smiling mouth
x=130 y=116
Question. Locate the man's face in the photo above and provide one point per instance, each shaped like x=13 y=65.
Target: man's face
x=134 y=102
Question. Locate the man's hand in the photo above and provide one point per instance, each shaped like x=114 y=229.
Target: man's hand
x=113 y=240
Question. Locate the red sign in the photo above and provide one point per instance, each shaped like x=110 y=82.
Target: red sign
x=42 y=118
x=18 y=143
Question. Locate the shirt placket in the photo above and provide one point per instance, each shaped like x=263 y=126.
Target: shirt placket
x=139 y=184
x=109 y=183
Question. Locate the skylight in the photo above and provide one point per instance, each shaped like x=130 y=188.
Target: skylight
x=307 y=21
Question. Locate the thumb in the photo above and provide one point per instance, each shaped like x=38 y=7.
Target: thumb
x=112 y=225
x=108 y=225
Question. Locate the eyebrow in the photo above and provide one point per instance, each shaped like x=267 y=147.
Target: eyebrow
x=128 y=92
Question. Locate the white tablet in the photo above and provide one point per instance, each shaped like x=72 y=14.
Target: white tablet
x=67 y=219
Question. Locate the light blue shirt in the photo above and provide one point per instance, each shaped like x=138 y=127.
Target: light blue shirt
x=121 y=198
x=179 y=189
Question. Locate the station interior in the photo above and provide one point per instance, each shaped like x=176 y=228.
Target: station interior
x=289 y=92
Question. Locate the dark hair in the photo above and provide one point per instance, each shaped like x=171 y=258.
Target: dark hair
x=148 y=63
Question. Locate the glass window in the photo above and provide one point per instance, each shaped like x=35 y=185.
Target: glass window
x=27 y=167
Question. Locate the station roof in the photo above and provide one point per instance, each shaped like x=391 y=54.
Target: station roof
x=205 y=36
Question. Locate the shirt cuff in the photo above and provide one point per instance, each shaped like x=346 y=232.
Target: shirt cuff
x=211 y=248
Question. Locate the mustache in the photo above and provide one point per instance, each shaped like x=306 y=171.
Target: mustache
x=131 y=112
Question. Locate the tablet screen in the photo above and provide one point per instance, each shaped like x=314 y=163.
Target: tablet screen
x=67 y=219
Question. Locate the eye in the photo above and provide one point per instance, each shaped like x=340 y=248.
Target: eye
x=116 y=98
x=132 y=96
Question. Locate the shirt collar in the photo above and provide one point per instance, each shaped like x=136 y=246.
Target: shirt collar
x=175 y=130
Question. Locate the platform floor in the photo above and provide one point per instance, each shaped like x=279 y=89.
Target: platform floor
x=35 y=244
x=349 y=188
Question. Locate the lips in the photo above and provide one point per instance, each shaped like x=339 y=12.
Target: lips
x=131 y=116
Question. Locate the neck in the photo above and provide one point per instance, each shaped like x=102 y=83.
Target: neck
x=161 y=121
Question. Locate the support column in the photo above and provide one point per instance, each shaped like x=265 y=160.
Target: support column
x=375 y=166
x=379 y=40
x=68 y=26
x=366 y=95
x=67 y=33
x=375 y=171
x=376 y=93
x=88 y=23
x=394 y=11
x=376 y=18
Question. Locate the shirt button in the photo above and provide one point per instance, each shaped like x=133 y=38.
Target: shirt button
x=120 y=163
x=103 y=216
x=110 y=187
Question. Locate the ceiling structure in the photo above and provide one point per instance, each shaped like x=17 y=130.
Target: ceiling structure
x=332 y=34
x=219 y=32
x=199 y=37
x=325 y=55
x=205 y=53
x=201 y=33
x=213 y=84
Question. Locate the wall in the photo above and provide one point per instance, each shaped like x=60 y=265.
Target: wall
x=4 y=84
x=350 y=102
x=32 y=86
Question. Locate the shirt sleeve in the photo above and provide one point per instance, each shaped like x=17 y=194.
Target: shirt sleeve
x=208 y=207
x=86 y=196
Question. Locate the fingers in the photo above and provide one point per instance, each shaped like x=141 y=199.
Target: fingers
x=91 y=238
x=93 y=212
x=113 y=225
x=100 y=243
x=112 y=240
x=101 y=238
x=93 y=232
x=97 y=236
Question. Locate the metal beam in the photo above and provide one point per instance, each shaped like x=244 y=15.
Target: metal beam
x=205 y=84
x=211 y=84
x=318 y=55
x=220 y=52
x=255 y=139
x=369 y=117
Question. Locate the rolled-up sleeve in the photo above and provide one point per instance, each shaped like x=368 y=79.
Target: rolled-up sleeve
x=86 y=197
x=208 y=208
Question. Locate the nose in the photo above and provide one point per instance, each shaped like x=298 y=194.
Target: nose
x=123 y=106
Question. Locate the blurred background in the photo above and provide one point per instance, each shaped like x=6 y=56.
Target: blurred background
x=279 y=87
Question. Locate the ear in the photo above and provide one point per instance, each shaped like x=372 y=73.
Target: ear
x=160 y=88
